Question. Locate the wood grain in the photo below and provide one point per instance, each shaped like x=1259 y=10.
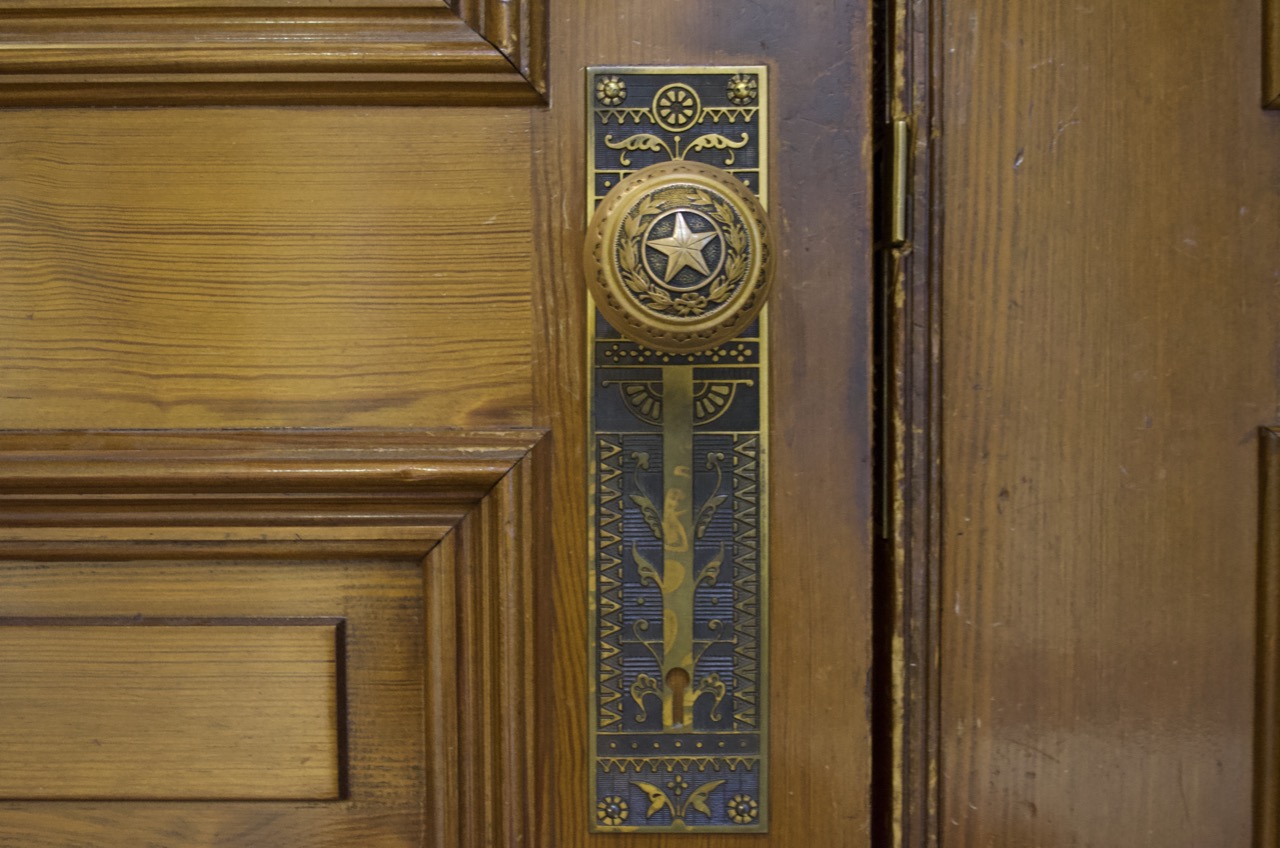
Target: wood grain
x=169 y=711
x=132 y=526
x=380 y=602
x=489 y=765
x=264 y=268
x=324 y=268
x=263 y=494
x=1266 y=715
x=222 y=54
x=908 y=598
x=1112 y=196
x=820 y=312
x=1271 y=54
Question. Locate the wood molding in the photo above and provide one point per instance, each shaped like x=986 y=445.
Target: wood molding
x=1271 y=55
x=483 y=691
x=910 y=564
x=261 y=494
x=468 y=506
x=465 y=52
x=517 y=28
x=1266 y=830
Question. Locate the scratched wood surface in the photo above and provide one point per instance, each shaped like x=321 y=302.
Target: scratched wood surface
x=1112 y=198
x=820 y=502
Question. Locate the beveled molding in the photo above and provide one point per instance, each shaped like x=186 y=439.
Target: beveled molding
x=1271 y=55
x=470 y=506
x=145 y=53
x=907 y=736
x=1266 y=720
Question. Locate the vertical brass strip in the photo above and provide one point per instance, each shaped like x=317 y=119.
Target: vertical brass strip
x=677 y=545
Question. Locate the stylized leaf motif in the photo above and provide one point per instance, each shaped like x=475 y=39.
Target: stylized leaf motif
x=646 y=568
x=644 y=685
x=650 y=514
x=657 y=798
x=711 y=571
x=708 y=510
x=715 y=141
x=698 y=798
x=713 y=685
x=642 y=141
x=661 y=300
x=641 y=498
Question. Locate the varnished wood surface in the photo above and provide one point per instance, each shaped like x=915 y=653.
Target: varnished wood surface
x=492 y=695
x=819 y=645
x=1112 y=198
x=381 y=603
x=260 y=493
x=908 y=598
x=264 y=268
x=113 y=711
x=1271 y=55
x=218 y=53
x=1266 y=749
x=119 y=529
x=376 y=268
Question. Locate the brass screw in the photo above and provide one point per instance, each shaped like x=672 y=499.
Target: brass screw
x=742 y=89
x=611 y=91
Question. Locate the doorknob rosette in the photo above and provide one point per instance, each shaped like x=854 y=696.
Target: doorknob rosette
x=678 y=256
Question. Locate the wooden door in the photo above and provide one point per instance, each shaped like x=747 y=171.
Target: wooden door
x=1111 y=192
x=292 y=320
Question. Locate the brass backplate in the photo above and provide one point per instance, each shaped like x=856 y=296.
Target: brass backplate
x=677 y=495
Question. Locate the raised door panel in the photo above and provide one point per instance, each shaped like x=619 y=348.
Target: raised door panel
x=270 y=639
x=1109 y=312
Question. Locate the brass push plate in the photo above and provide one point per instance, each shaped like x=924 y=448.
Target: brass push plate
x=678 y=256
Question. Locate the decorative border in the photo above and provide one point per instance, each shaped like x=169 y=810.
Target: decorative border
x=470 y=506
x=463 y=52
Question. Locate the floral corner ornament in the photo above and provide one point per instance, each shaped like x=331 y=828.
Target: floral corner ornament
x=612 y=811
x=611 y=91
x=742 y=89
x=743 y=809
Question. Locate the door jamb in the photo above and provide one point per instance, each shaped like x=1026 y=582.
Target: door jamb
x=906 y=708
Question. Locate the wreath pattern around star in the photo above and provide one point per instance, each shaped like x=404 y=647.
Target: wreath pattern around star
x=691 y=304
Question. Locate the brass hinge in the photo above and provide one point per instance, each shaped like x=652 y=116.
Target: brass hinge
x=896 y=234
x=899 y=181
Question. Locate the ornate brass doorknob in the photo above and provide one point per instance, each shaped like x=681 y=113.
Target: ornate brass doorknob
x=678 y=256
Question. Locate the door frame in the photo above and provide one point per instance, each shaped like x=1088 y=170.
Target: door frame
x=909 y=303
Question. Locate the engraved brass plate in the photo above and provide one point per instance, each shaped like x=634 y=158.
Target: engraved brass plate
x=679 y=261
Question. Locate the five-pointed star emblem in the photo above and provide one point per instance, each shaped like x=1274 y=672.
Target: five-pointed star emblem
x=683 y=249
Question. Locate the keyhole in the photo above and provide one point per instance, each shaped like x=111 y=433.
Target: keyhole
x=677 y=682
